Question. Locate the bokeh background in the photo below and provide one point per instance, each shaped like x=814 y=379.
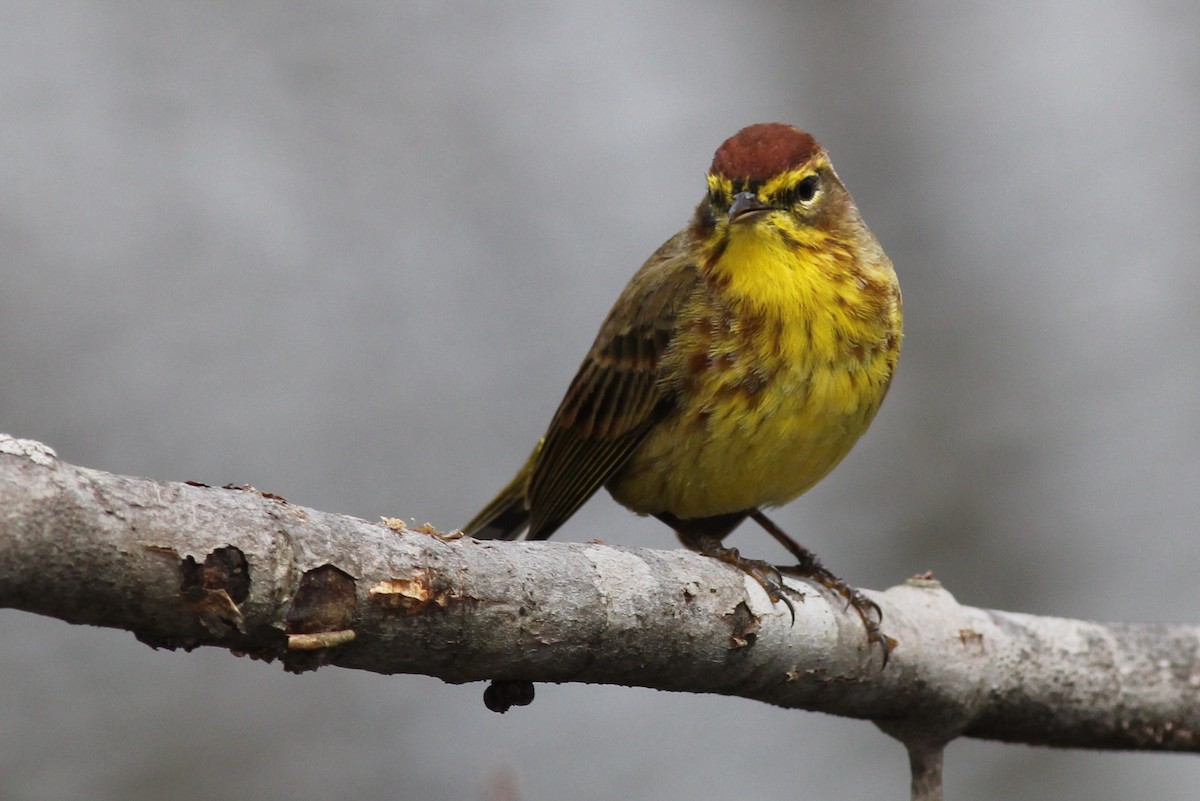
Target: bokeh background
x=352 y=253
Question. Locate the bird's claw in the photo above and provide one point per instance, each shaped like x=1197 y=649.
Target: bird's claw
x=766 y=574
x=868 y=610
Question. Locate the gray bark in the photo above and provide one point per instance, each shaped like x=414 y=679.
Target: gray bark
x=183 y=565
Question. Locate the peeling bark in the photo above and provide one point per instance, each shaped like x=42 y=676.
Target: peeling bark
x=185 y=565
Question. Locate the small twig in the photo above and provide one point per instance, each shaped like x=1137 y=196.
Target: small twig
x=925 y=761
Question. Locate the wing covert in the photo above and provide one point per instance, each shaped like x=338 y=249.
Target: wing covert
x=617 y=395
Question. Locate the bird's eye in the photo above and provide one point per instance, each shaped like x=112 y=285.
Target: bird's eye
x=806 y=190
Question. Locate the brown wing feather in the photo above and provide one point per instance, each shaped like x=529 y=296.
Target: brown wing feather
x=617 y=396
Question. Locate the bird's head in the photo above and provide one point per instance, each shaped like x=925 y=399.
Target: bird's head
x=772 y=179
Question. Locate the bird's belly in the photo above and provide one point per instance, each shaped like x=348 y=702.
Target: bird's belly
x=738 y=442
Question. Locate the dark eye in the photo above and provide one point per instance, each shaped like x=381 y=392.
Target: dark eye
x=806 y=190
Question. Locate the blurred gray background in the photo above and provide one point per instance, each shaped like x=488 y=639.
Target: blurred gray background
x=352 y=253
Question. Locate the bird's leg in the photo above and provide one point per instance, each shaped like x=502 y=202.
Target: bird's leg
x=808 y=566
x=704 y=535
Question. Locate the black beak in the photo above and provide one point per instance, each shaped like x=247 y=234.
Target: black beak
x=744 y=204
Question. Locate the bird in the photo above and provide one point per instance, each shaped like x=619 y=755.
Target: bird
x=737 y=368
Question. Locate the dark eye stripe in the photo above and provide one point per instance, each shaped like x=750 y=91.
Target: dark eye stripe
x=802 y=192
x=718 y=198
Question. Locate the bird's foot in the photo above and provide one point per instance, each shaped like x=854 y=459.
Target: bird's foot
x=808 y=566
x=765 y=573
x=868 y=610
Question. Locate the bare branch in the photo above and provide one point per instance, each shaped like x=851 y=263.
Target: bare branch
x=183 y=566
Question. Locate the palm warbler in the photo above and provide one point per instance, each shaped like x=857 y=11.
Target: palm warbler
x=738 y=367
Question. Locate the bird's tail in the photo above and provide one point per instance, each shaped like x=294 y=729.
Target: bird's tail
x=507 y=516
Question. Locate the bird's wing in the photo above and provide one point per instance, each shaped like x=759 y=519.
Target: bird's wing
x=617 y=395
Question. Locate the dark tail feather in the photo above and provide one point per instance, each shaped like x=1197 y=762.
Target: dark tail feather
x=507 y=516
x=505 y=523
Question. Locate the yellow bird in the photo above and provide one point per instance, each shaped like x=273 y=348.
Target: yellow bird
x=738 y=367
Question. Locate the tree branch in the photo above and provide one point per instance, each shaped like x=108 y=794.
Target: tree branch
x=183 y=565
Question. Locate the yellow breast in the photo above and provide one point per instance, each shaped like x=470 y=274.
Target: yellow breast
x=779 y=363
